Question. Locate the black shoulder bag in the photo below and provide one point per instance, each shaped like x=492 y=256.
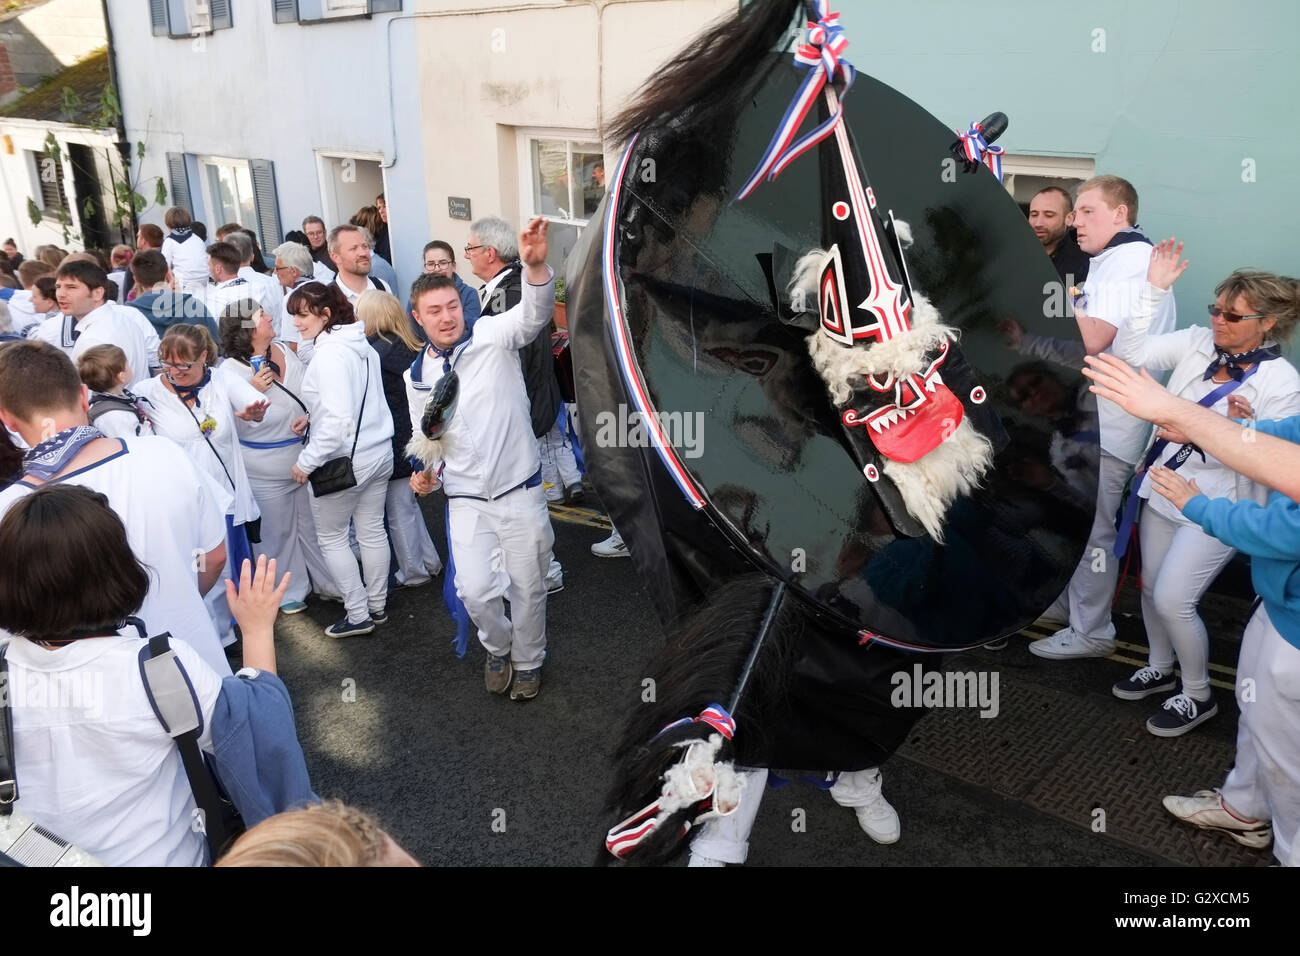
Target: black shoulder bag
x=336 y=474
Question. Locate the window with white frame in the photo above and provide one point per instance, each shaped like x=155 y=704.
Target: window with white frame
x=562 y=179
x=1023 y=176
x=343 y=8
x=228 y=191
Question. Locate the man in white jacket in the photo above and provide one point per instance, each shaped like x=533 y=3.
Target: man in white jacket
x=87 y=319
x=483 y=451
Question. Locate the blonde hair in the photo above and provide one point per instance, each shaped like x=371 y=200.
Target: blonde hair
x=99 y=367
x=1269 y=294
x=29 y=270
x=188 y=343
x=1116 y=191
x=382 y=313
x=325 y=834
x=120 y=256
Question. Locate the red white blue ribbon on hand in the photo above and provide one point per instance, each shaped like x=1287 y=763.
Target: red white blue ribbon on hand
x=978 y=151
x=822 y=54
x=715 y=715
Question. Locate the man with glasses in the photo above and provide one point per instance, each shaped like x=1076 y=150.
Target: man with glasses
x=293 y=268
x=314 y=229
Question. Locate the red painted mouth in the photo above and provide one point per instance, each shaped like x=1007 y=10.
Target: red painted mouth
x=908 y=434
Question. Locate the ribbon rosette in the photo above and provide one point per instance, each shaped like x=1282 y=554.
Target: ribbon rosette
x=978 y=151
x=822 y=54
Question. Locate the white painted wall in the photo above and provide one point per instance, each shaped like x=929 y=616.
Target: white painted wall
x=283 y=92
x=496 y=69
x=18 y=179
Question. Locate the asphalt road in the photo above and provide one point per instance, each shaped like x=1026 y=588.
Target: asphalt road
x=395 y=723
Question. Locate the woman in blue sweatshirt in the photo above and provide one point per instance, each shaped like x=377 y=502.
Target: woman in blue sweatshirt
x=1261 y=797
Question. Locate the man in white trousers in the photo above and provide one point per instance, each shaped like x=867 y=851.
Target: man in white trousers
x=1105 y=216
x=726 y=839
x=483 y=452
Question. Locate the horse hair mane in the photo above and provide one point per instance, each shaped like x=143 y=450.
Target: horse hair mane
x=699 y=665
x=710 y=76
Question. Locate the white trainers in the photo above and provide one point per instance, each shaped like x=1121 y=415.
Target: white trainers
x=1207 y=810
x=861 y=791
x=1066 y=645
x=698 y=860
x=611 y=547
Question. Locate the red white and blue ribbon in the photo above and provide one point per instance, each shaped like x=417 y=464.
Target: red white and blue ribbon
x=822 y=54
x=978 y=151
x=715 y=715
x=623 y=346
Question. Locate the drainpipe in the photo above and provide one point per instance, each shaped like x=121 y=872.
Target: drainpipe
x=123 y=145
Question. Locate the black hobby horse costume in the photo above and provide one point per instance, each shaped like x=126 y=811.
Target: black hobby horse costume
x=856 y=501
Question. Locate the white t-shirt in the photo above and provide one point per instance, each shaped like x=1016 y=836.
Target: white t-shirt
x=224 y=395
x=101 y=771
x=173 y=515
x=269 y=292
x=287 y=330
x=1116 y=278
x=109 y=325
x=272 y=464
x=219 y=295
x=147 y=332
x=370 y=284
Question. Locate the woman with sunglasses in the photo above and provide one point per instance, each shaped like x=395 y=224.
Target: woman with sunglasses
x=344 y=393
x=269 y=449
x=1235 y=367
x=196 y=404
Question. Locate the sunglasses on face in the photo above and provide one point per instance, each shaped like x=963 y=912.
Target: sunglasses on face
x=179 y=366
x=441 y=406
x=1230 y=316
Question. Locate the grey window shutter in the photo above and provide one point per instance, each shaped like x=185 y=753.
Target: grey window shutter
x=180 y=182
x=158 y=17
x=268 y=206
x=220 y=11
x=285 y=11
x=385 y=6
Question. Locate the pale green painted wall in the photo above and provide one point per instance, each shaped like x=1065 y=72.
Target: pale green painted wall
x=1184 y=92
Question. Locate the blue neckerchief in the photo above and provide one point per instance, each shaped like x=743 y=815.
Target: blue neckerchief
x=187 y=392
x=1233 y=363
x=448 y=356
x=1125 y=236
x=181 y=234
x=51 y=456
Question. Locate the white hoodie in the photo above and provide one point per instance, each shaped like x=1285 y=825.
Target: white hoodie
x=332 y=391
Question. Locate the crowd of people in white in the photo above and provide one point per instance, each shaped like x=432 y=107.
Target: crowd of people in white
x=208 y=437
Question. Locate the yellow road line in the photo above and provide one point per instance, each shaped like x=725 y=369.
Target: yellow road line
x=588 y=517
x=1033 y=633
